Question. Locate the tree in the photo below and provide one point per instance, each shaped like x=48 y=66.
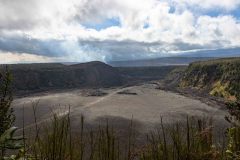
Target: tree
x=7 y=117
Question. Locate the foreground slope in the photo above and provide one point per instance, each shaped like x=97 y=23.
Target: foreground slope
x=219 y=77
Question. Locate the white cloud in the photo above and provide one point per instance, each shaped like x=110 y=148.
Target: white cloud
x=167 y=31
x=9 y=57
x=224 y=29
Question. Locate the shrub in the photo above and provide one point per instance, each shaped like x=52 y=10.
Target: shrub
x=6 y=112
x=233 y=133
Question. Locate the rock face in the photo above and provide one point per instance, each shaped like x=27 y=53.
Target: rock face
x=98 y=74
x=219 y=77
x=59 y=76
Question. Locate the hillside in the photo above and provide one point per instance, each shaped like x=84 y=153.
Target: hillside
x=49 y=76
x=219 y=77
x=164 y=61
x=59 y=76
x=142 y=74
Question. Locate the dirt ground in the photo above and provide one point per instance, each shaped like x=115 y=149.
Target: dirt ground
x=145 y=105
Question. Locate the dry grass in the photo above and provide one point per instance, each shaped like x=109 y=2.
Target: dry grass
x=192 y=140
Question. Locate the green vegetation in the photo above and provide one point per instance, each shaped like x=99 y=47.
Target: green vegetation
x=6 y=112
x=219 y=77
x=191 y=140
x=233 y=133
x=7 y=140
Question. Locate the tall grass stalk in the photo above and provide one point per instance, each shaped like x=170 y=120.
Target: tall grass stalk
x=192 y=140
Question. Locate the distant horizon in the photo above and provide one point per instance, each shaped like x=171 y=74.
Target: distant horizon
x=109 y=62
x=219 y=53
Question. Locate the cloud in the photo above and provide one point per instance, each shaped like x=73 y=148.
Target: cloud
x=10 y=57
x=58 y=50
x=16 y=15
x=152 y=28
x=48 y=48
x=224 y=29
x=122 y=50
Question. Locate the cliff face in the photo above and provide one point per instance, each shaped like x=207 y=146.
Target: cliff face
x=45 y=76
x=218 y=77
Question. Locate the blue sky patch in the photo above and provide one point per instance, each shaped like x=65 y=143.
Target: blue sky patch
x=219 y=12
x=146 y=25
x=104 y=24
x=236 y=13
x=172 y=9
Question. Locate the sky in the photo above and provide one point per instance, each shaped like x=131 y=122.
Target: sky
x=112 y=30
